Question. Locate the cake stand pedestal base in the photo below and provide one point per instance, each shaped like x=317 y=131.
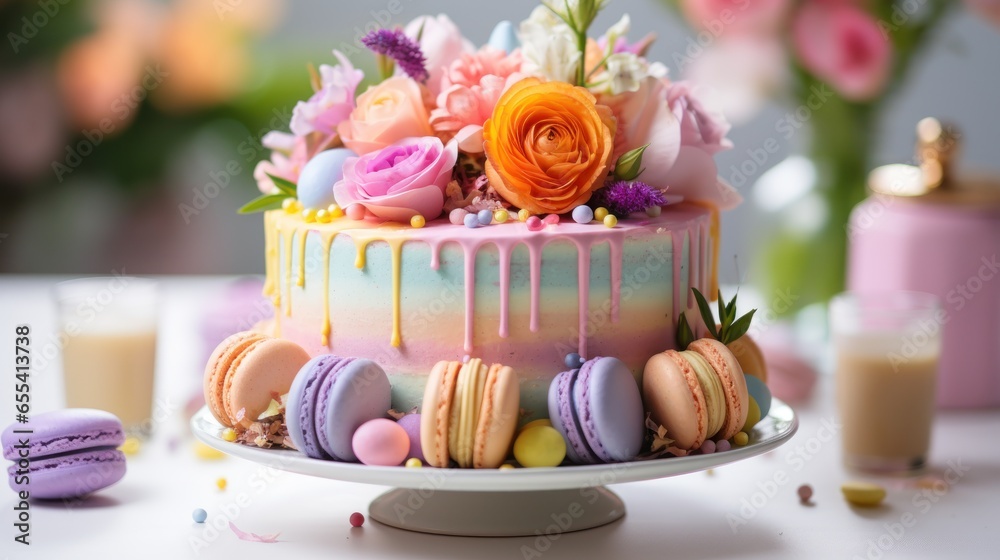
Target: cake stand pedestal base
x=497 y=514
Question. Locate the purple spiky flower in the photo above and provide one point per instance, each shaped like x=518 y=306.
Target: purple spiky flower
x=393 y=43
x=622 y=198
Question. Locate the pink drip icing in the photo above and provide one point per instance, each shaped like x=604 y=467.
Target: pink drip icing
x=535 y=269
x=704 y=262
x=435 y=247
x=694 y=272
x=505 y=250
x=678 y=247
x=471 y=249
x=615 y=245
x=583 y=291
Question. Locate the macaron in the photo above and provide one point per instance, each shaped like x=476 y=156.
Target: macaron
x=68 y=453
x=697 y=394
x=329 y=399
x=469 y=414
x=598 y=410
x=245 y=372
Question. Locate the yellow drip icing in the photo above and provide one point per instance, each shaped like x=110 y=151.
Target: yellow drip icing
x=361 y=245
x=713 y=231
x=396 y=245
x=301 y=280
x=288 y=235
x=327 y=245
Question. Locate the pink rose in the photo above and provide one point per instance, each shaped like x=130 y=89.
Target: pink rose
x=385 y=114
x=401 y=180
x=333 y=103
x=289 y=153
x=644 y=117
x=469 y=69
x=441 y=42
x=842 y=44
x=722 y=16
x=462 y=110
x=700 y=127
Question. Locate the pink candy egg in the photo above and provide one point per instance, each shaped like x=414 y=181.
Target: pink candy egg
x=551 y=219
x=356 y=212
x=381 y=442
x=535 y=223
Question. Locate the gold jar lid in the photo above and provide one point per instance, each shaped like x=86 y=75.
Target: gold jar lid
x=933 y=179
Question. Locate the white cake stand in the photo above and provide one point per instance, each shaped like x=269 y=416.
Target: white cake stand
x=501 y=503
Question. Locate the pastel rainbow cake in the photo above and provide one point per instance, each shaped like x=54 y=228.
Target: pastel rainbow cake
x=499 y=202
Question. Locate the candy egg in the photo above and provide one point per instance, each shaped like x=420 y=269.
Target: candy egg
x=533 y=423
x=356 y=212
x=805 y=493
x=760 y=393
x=723 y=445
x=414 y=463
x=457 y=216
x=583 y=214
x=610 y=220
x=573 y=360
x=551 y=219
x=418 y=221
x=381 y=442
x=753 y=415
x=199 y=515
x=485 y=217
x=741 y=439
x=600 y=213
x=504 y=37
x=540 y=446
x=535 y=223
x=472 y=221
x=411 y=423
x=229 y=434
x=523 y=214
x=708 y=447
x=357 y=519
x=315 y=186
x=863 y=494
x=501 y=216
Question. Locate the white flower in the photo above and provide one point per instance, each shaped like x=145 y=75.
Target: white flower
x=549 y=46
x=619 y=29
x=625 y=72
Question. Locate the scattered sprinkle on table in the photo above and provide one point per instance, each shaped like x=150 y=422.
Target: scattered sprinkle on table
x=357 y=519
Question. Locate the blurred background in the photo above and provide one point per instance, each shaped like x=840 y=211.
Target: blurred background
x=129 y=129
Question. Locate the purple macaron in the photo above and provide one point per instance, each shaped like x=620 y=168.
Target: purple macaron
x=598 y=410
x=329 y=399
x=64 y=453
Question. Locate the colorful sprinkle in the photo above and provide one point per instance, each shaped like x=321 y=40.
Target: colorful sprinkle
x=323 y=216
x=741 y=439
x=485 y=217
x=472 y=221
x=863 y=494
x=708 y=447
x=610 y=221
x=600 y=213
x=335 y=211
x=573 y=360
x=199 y=515
x=356 y=212
x=805 y=493
x=418 y=221
x=357 y=519
x=221 y=483
x=523 y=214
x=551 y=219
x=457 y=216
x=229 y=434
x=414 y=463
x=309 y=215
x=535 y=223
x=583 y=214
x=291 y=205
x=653 y=211
x=131 y=446
x=501 y=216
x=722 y=445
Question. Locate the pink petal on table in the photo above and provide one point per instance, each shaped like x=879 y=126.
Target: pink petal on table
x=253 y=537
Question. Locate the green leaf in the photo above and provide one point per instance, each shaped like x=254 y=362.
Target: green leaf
x=262 y=203
x=739 y=328
x=284 y=185
x=685 y=336
x=731 y=308
x=723 y=324
x=706 y=313
x=629 y=165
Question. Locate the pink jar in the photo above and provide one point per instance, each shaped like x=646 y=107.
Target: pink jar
x=923 y=230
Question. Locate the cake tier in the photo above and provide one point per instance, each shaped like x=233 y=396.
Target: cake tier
x=408 y=297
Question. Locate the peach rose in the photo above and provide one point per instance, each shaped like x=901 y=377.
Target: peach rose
x=548 y=145
x=385 y=114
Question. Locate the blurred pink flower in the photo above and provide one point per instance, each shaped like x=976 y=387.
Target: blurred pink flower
x=470 y=68
x=723 y=16
x=441 y=42
x=989 y=9
x=288 y=154
x=700 y=127
x=462 y=110
x=332 y=104
x=842 y=44
x=644 y=117
x=738 y=73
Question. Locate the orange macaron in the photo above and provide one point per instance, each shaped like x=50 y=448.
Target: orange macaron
x=245 y=372
x=697 y=394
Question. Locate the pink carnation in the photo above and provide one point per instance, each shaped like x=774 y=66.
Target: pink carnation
x=471 y=68
x=462 y=110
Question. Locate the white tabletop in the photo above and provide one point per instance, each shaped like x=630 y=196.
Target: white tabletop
x=748 y=509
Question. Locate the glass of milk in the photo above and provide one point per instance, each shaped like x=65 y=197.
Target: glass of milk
x=887 y=346
x=108 y=333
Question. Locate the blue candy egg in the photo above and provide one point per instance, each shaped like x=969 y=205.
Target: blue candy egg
x=583 y=214
x=315 y=188
x=760 y=393
x=504 y=37
x=485 y=217
x=471 y=221
x=199 y=515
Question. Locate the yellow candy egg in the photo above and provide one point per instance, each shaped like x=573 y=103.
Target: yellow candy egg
x=540 y=446
x=418 y=221
x=501 y=216
x=610 y=221
x=533 y=423
x=741 y=439
x=753 y=416
x=600 y=213
x=414 y=463
x=523 y=215
x=291 y=205
x=229 y=434
x=221 y=483
x=323 y=216
x=863 y=494
x=506 y=467
x=131 y=446
x=335 y=211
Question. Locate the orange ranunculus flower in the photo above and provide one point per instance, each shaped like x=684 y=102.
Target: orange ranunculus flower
x=548 y=145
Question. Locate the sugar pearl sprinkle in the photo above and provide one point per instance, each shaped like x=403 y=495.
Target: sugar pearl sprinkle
x=471 y=221
x=501 y=216
x=357 y=519
x=805 y=493
x=610 y=221
x=523 y=215
x=535 y=223
x=600 y=213
x=414 y=463
x=199 y=515
x=418 y=221
x=485 y=217
x=583 y=214
x=573 y=360
x=221 y=483
x=229 y=434
x=457 y=216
